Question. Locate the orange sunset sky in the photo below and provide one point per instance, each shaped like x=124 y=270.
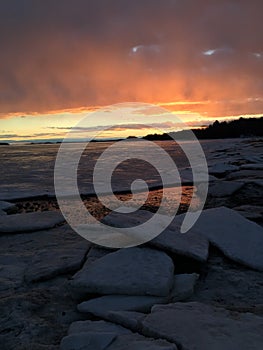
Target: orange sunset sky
x=61 y=60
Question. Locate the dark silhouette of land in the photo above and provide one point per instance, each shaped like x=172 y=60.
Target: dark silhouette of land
x=218 y=130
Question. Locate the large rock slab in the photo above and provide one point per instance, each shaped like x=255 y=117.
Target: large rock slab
x=238 y=238
x=102 y=306
x=87 y=341
x=189 y=245
x=49 y=263
x=197 y=326
x=30 y=221
x=131 y=271
x=138 y=342
x=86 y=335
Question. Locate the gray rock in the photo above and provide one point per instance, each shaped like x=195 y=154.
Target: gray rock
x=245 y=174
x=129 y=319
x=96 y=327
x=7 y=206
x=183 y=287
x=238 y=238
x=87 y=341
x=49 y=263
x=197 y=326
x=2 y=213
x=189 y=245
x=256 y=166
x=102 y=306
x=224 y=188
x=131 y=271
x=30 y=221
x=221 y=169
x=22 y=194
x=138 y=342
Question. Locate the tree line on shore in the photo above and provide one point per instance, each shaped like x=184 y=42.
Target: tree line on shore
x=242 y=127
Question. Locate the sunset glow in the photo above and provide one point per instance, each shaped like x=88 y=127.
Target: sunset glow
x=201 y=61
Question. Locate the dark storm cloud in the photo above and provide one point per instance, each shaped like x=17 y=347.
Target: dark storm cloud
x=65 y=54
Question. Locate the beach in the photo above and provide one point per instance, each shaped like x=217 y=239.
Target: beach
x=198 y=290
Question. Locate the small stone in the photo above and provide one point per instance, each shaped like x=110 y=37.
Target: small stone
x=6 y=206
x=129 y=319
x=183 y=287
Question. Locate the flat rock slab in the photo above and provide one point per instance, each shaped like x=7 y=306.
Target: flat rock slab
x=224 y=188
x=97 y=327
x=50 y=263
x=87 y=341
x=131 y=271
x=245 y=174
x=189 y=245
x=256 y=166
x=129 y=319
x=22 y=194
x=138 y=342
x=238 y=238
x=30 y=222
x=221 y=169
x=197 y=326
x=102 y=306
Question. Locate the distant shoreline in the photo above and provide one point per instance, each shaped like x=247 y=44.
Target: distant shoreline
x=241 y=128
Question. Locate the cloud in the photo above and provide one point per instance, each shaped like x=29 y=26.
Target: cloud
x=58 y=55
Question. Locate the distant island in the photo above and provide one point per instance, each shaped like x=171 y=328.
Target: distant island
x=243 y=127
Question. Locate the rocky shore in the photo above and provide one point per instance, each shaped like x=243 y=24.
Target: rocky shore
x=196 y=291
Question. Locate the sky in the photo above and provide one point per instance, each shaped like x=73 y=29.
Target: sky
x=62 y=60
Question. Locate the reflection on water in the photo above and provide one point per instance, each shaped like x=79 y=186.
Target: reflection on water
x=31 y=167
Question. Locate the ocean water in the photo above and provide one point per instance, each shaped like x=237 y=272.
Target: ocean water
x=30 y=168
